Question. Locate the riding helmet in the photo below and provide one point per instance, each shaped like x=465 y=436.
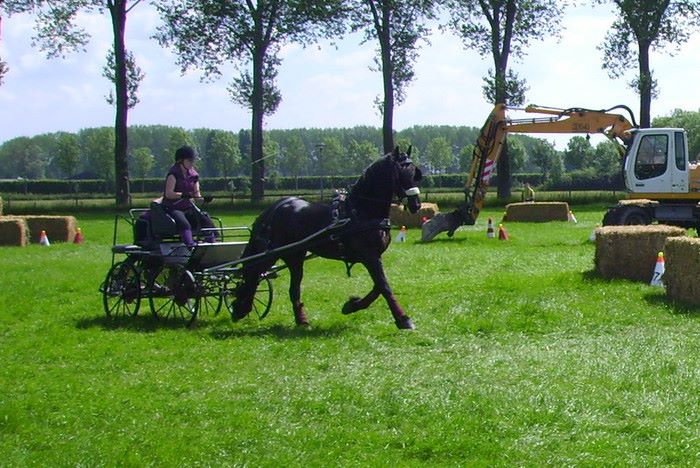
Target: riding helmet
x=185 y=152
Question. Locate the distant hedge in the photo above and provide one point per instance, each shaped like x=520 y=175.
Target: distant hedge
x=241 y=185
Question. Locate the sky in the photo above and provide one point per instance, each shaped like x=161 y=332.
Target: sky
x=322 y=85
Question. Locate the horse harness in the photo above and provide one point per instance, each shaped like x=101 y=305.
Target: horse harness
x=344 y=222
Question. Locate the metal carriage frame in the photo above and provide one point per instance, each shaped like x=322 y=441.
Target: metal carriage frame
x=180 y=282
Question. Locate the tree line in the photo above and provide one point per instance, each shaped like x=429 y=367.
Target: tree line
x=289 y=153
x=206 y=34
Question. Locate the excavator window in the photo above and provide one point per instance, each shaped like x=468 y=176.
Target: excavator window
x=679 y=143
x=652 y=157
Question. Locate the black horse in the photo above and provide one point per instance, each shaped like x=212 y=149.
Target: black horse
x=355 y=230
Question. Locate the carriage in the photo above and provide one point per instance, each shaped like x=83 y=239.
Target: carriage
x=178 y=281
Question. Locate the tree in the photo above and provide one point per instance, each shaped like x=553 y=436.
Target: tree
x=296 y=158
x=579 y=154
x=209 y=33
x=438 y=155
x=544 y=156
x=67 y=156
x=58 y=34
x=330 y=157
x=397 y=26
x=143 y=161
x=641 y=26
x=360 y=155
x=607 y=160
x=221 y=153
x=98 y=146
x=178 y=137
x=501 y=28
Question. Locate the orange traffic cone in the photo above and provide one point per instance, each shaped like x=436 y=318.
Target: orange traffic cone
x=78 y=237
x=502 y=234
x=659 y=270
x=401 y=236
x=489 y=229
x=572 y=218
x=44 y=239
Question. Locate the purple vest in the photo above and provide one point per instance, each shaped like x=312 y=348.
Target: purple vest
x=184 y=183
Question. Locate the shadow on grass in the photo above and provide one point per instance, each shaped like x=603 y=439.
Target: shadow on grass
x=280 y=332
x=677 y=307
x=444 y=240
x=140 y=323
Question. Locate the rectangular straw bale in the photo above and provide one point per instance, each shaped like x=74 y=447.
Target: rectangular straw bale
x=629 y=252
x=0 y=206
x=58 y=228
x=537 y=212
x=400 y=216
x=13 y=231
x=682 y=276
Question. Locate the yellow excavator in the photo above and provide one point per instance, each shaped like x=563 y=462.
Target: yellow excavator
x=662 y=184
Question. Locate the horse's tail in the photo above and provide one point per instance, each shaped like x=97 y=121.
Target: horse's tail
x=260 y=241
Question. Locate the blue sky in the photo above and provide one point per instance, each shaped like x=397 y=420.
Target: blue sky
x=322 y=86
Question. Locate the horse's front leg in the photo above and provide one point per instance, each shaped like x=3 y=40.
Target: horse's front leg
x=296 y=274
x=381 y=286
x=355 y=304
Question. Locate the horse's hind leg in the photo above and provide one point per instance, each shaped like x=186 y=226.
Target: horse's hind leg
x=376 y=271
x=296 y=273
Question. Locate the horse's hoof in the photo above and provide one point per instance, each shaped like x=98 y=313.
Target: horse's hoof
x=236 y=315
x=405 y=323
x=350 y=306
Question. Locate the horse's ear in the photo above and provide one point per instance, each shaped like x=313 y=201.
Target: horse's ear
x=396 y=152
x=418 y=175
x=410 y=147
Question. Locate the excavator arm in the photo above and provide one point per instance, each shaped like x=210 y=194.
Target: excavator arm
x=492 y=139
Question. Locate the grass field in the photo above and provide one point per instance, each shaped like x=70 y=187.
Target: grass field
x=521 y=357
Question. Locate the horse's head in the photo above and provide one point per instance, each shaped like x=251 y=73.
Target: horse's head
x=406 y=178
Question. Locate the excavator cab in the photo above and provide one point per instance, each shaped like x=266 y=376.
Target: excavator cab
x=657 y=163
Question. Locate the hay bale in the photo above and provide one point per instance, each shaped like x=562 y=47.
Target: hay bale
x=58 y=228
x=629 y=252
x=682 y=269
x=0 y=206
x=14 y=231
x=400 y=216
x=537 y=212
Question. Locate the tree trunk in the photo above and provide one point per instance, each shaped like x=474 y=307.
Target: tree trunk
x=257 y=163
x=121 y=165
x=503 y=164
x=645 y=87
x=388 y=80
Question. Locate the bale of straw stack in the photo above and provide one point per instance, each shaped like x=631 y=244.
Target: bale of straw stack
x=58 y=228
x=400 y=216
x=14 y=231
x=682 y=275
x=537 y=212
x=0 y=206
x=629 y=252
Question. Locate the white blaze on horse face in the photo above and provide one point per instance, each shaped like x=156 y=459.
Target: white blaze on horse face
x=412 y=192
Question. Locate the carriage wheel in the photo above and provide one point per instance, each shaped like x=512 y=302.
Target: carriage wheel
x=121 y=290
x=172 y=294
x=211 y=296
x=261 y=302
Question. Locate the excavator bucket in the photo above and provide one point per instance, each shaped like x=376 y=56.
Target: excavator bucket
x=441 y=222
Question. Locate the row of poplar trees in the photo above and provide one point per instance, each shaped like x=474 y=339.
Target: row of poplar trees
x=250 y=34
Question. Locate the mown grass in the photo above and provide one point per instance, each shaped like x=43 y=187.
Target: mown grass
x=521 y=357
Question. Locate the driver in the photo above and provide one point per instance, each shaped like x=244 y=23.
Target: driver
x=181 y=186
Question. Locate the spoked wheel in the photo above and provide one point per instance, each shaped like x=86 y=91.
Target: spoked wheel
x=121 y=290
x=261 y=302
x=210 y=296
x=173 y=294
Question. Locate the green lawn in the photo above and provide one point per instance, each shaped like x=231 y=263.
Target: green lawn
x=521 y=357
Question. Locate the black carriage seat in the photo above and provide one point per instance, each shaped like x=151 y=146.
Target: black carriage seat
x=154 y=226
